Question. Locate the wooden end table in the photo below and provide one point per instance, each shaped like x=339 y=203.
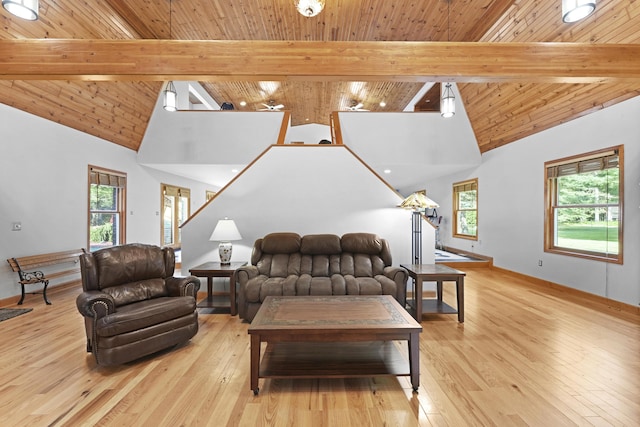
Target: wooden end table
x=436 y=273
x=217 y=269
x=333 y=337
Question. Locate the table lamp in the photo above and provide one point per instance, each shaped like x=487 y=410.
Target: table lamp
x=225 y=232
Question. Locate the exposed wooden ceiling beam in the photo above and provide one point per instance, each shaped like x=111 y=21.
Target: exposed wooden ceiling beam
x=73 y=59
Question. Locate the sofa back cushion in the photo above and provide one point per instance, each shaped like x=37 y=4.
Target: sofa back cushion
x=320 y=244
x=129 y=273
x=364 y=255
x=277 y=254
x=320 y=255
x=367 y=243
x=128 y=293
x=129 y=263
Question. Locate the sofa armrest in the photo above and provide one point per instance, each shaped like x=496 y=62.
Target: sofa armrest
x=242 y=275
x=245 y=273
x=95 y=304
x=400 y=276
x=183 y=286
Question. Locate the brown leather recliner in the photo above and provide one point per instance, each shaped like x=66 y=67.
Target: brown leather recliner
x=132 y=304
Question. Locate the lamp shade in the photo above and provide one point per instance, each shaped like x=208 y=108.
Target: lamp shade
x=25 y=9
x=575 y=10
x=225 y=231
x=418 y=201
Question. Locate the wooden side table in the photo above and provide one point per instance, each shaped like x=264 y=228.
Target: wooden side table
x=216 y=269
x=438 y=273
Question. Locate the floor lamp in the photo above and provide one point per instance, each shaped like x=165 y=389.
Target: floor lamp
x=417 y=202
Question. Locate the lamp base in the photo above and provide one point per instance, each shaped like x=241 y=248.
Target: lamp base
x=225 y=250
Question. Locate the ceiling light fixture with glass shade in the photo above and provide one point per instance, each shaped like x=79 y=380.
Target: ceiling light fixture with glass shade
x=25 y=9
x=447 y=102
x=309 y=8
x=575 y=10
x=170 y=97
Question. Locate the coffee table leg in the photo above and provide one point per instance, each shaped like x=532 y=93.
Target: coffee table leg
x=414 y=360
x=255 y=362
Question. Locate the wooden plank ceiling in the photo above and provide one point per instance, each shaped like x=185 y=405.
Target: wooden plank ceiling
x=500 y=113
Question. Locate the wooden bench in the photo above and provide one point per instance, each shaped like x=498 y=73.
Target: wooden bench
x=27 y=268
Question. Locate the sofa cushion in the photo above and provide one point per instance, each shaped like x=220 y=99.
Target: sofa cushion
x=143 y=314
x=281 y=243
x=137 y=291
x=308 y=285
x=320 y=244
x=361 y=243
x=279 y=265
x=363 y=286
x=129 y=263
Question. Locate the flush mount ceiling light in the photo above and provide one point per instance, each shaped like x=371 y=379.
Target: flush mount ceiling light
x=447 y=102
x=25 y=9
x=309 y=8
x=575 y=10
x=170 y=97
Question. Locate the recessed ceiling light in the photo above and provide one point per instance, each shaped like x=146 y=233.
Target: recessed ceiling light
x=383 y=104
x=243 y=103
x=234 y=170
x=387 y=171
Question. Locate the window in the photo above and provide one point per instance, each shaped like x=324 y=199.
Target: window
x=107 y=219
x=465 y=209
x=176 y=204
x=583 y=215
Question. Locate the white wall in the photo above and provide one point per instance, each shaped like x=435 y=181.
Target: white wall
x=415 y=147
x=43 y=185
x=511 y=203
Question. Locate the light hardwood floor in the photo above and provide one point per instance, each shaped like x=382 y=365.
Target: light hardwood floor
x=526 y=355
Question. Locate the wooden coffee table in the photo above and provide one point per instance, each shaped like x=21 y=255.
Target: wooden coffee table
x=333 y=337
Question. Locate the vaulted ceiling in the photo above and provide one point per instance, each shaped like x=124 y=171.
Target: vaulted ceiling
x=501 y=111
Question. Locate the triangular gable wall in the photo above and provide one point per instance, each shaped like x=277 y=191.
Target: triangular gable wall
x=307 y=190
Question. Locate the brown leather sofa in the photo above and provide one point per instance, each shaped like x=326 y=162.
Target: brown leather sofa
x=319 y=264
x=132 y=304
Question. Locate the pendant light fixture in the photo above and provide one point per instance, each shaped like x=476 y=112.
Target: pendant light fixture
x=25 y=9
x=447 y=102
x=170 y=97
x=575 y=10
x=309 y=8
x=447 y=99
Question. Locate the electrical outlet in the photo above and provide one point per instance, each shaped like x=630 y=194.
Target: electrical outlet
x=539 y=263
x=16 y=226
